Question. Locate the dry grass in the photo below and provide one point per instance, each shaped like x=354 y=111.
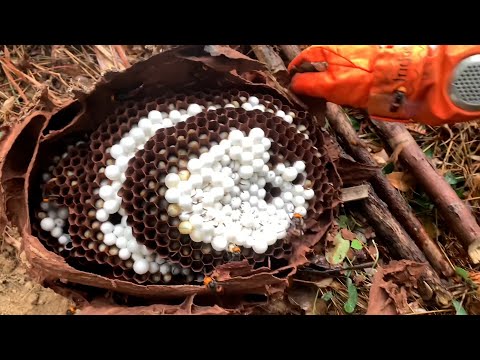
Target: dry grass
x=27 y=71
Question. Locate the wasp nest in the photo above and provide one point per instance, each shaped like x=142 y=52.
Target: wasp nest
x=167 y=189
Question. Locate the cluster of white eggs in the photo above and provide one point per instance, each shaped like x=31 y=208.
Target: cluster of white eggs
x=54 y=220
x=54 y=217
x=222 y=202
x=144 y=260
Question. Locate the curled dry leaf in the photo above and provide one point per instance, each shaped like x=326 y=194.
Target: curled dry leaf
x=381 y=157
x=324 y=283
x=7 y=107
x=416 y=128
x=307 y=298
x=401 y=180
x=391 y=285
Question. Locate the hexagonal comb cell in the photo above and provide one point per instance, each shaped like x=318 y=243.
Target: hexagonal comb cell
x=80 y=173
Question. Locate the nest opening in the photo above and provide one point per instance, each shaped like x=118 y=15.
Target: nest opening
x=63 y=117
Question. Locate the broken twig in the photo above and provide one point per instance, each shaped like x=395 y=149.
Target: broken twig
x=354 y=193
x=274 y=62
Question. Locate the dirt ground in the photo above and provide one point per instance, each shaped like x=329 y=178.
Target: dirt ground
x=20 y=295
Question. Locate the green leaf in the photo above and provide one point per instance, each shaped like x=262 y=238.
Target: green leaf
x=327 y=296
x=337 y=253
x=462 y=273
x=429 y=152
x=452 y=179
x=343 y=221
x=423 y=201
x=387 y=169
x=459 y=308
x=355 y=123
x=465 y=276
x=351 y=303
x=356 y=244
x=460 y=192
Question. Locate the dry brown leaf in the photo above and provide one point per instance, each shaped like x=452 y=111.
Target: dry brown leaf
x=372 y=250
x=351 y=254
x=359 y=279
x=304 y=297
x=336 y=285
x=348 y=235
x=475 y=180
x=320 y=308
x=324 y=283
x=7 y=106
x=417 y=128
x=472 y=306
x=381 y=157
x=391 y=286
x=430 y=227
x=401 y=181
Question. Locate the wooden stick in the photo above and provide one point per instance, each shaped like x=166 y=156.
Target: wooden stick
x=389 y=230
x=456 y=214
x=290 y=51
